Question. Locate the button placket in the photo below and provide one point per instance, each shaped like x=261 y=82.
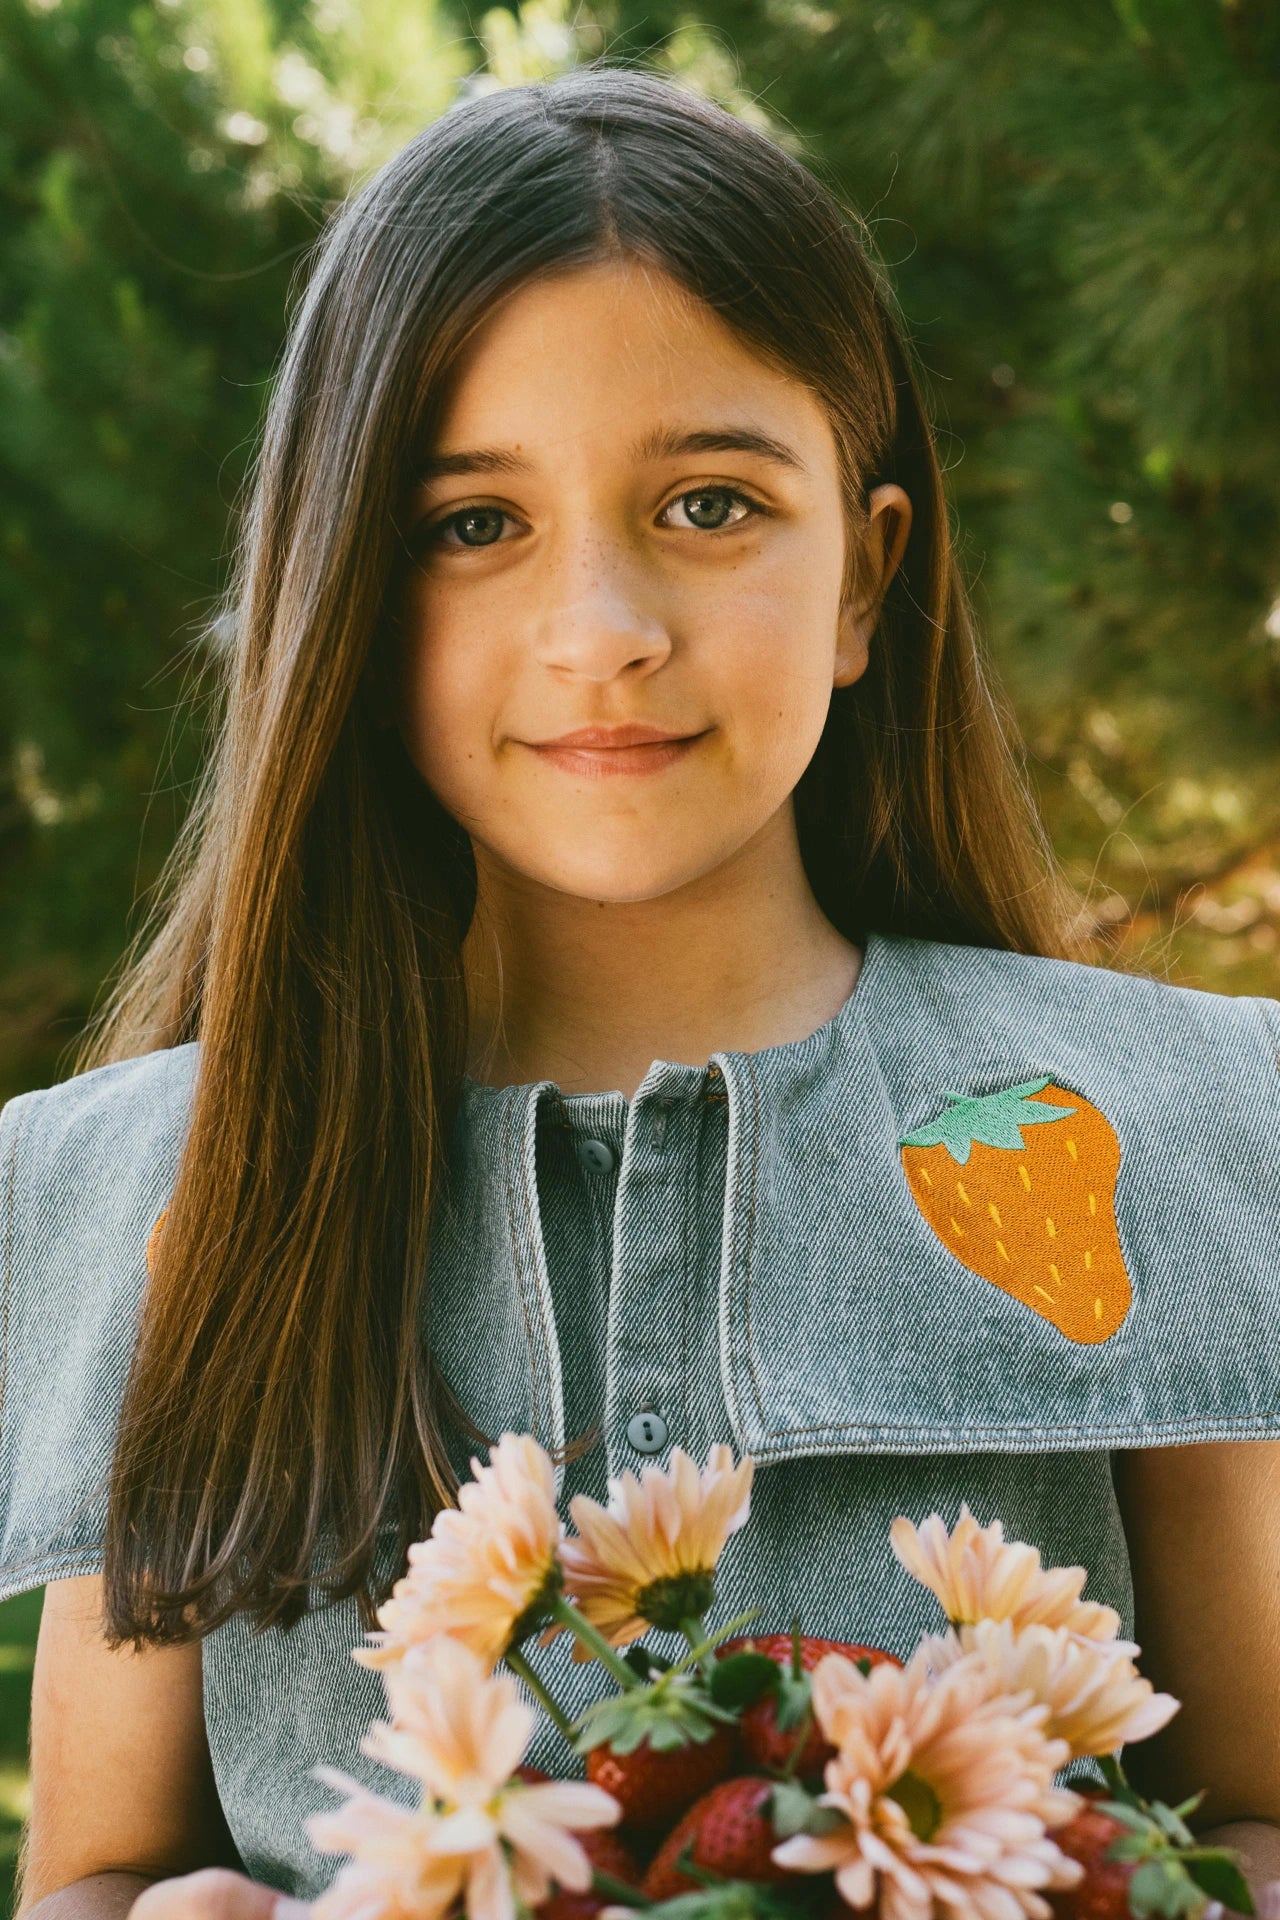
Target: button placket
x=646 y=1390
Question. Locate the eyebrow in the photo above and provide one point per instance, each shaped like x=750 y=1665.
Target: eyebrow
x=662 y=443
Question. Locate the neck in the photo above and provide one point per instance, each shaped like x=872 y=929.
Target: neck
x=589 y=993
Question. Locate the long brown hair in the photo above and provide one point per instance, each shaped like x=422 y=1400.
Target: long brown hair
x=283 y=1407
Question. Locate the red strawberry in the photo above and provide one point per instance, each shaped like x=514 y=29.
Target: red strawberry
x=1103 y=1894
x=606 y=1852
x=765 y=1744
x=728 y=1832
x=1177 y=1871
x=654 y=1788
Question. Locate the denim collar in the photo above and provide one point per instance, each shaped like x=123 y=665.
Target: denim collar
x=848 y=1320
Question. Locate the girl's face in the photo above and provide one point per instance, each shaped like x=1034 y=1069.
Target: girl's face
x=631 y=531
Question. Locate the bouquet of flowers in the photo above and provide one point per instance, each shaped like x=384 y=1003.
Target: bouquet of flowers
x=761 y=1776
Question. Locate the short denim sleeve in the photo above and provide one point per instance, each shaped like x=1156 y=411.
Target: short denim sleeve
x=85 y=1169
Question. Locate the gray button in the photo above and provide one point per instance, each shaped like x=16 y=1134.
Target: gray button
x=597 y=1156
x=647 y=1432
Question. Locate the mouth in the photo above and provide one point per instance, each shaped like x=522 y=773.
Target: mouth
x=604 y=751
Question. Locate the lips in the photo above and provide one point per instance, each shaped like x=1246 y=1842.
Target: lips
x=631 y=735
x=599 y=752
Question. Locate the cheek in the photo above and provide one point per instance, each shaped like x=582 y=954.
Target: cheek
x=447 y=681
x=769 y=644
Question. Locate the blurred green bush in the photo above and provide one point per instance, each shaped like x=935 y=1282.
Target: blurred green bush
x=1078 y=209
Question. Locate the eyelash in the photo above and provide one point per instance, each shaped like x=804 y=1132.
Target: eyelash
x=429 y=535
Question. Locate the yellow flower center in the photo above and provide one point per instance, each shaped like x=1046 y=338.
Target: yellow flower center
x=919 y=1802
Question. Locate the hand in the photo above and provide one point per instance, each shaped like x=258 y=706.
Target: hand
x=214 y=1893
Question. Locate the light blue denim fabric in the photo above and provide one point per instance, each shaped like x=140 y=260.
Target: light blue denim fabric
x=753 y=1269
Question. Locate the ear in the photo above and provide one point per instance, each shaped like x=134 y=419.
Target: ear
x=880 y=550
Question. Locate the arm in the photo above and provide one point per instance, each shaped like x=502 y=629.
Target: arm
x=1203 y=1525
x=122 y=1791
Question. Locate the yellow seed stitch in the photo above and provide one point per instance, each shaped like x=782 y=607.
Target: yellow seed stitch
x=1045 y=1295
x=994 y=1211
x=926 y=1176
x=1053 y=1272
x=1001 y=1249
x=1024 y=1176
x=963 y=1195
x=1071 y=1149
x=1049 y=1227
x=1088 y=1256
x=1093 y=1203
x=1097 y=1309
x=956 y=1224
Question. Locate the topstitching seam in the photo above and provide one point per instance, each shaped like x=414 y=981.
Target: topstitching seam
x=508 y=1138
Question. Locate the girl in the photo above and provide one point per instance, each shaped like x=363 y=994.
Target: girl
x=611 y=942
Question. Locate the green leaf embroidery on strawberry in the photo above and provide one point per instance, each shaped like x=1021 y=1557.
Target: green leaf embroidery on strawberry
x=995 y=1119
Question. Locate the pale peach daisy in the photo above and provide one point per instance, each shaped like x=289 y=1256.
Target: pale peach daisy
x=461 y=1732
x=1097 y=1699
x=946 y=1791
x=391 y=1875
x=648 y=1558
x=489 y=1566
x=979 y=1575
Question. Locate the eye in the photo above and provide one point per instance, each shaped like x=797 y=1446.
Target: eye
x=474 y=526
x=710 y=509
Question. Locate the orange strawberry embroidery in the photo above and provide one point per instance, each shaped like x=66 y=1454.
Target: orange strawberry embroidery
x=1020 y=1186
x=153 y=1241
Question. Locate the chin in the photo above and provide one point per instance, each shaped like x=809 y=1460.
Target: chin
x=625 y=880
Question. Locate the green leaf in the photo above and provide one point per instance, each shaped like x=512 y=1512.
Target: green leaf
x=1216 y=1873
x=994 y=1119
x=1131 y=1846
x=1163 y=1886
x=743 y=1678
x=792 y=1808
x=1171 y=1823
x=795 y=1701
x=644 y=1662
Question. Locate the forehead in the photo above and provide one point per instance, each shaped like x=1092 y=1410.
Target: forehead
x=605 y=351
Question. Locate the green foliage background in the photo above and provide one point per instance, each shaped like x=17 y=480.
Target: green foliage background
x=1078 y=208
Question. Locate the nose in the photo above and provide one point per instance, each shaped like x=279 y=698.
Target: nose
x=598 y=618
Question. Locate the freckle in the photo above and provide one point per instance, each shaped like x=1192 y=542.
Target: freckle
x=1024 y=1176
x=963 y=1195
x=994 y=1211
x=1088 y=1256
x=1049 y=1227
x=1093 y=1204
x=1001 y=1249
x=1053 y=1272
x=926 y=1176
x=1097 y=1309
x=956 y=1224
x=1071 y=1149
x=1044 y=1295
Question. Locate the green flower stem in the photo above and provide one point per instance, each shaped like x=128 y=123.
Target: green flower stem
x=554 y=1712
x=695 y=1633
x=597 y=1646
x=697 y=1654
x=618 y=1890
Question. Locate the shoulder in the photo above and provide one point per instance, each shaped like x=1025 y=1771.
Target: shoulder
x=132 y=1107
x=1086 y=1016
x=86 y=1167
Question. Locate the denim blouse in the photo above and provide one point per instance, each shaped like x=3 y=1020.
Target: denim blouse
x=798 y=1250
